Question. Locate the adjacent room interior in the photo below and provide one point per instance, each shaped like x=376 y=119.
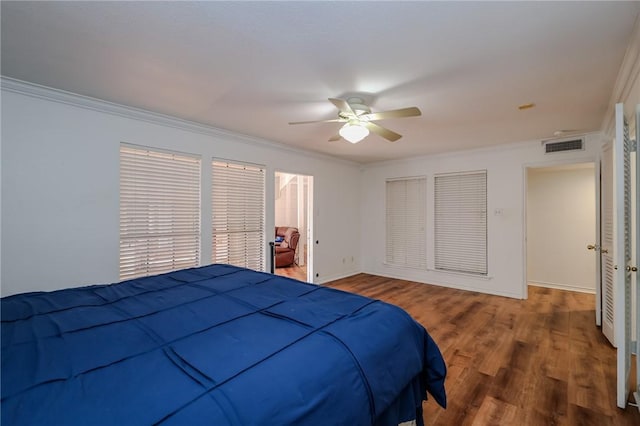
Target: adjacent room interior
x=561 y=224
x=293 y=207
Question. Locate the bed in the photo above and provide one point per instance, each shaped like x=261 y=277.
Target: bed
x=213 y=345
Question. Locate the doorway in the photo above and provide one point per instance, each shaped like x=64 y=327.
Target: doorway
x=561 y=224
x=294 y=225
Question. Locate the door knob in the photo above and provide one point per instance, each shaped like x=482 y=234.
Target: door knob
x=632 y=269
x=604 y=251
x=592 y=247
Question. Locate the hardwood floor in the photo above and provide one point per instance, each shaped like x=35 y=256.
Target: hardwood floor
x=540 y=361
x=293 y=271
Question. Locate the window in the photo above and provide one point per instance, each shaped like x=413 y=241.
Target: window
x=461 y=222
x=238 y=214
x=406 y=201
x=159 y=212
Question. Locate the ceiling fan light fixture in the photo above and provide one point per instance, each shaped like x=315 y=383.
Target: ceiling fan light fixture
x=360 y=120
x=353 y=132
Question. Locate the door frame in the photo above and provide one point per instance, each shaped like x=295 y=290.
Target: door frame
x=598 y=243
x=636 y=394
x=310 y=231
x=556 y=163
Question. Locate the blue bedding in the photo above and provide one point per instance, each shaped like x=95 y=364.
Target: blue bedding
x=213 y=345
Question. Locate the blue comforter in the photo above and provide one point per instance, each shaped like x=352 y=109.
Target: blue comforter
x=213 y=345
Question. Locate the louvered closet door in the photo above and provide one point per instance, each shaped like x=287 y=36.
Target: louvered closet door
x=622 y=255
x=606 y=236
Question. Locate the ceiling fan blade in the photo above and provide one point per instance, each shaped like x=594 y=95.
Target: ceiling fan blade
x=335 y=120
x=396 y=113
x=335 y=138
x=385 y=133
x=342 y=105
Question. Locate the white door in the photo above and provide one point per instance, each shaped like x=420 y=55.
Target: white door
x=634 y=268
x=622 y=255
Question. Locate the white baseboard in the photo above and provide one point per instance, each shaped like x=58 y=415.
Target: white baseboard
x=324 y=280
x=567 y=287
x=446 y=285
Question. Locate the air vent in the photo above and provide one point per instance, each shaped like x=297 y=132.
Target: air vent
x=571 y=145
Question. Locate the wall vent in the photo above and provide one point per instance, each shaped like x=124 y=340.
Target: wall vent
x=570 y=145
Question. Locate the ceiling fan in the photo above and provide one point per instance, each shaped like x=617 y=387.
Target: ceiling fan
x=359 y=120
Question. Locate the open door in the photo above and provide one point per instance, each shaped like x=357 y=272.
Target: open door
x=623 y=241
x=293 y=211
x=616 y=250
x=634 y=268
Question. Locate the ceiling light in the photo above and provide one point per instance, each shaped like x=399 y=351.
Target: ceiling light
x=353 y=131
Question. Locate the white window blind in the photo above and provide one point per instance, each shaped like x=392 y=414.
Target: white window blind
x=406 y=214
x=159 y=212
x=461 y=222
x=238 y=205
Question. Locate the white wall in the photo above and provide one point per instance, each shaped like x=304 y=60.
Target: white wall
x=60 y=179
x=561 y=222
x=506 y=166
x=286 y=201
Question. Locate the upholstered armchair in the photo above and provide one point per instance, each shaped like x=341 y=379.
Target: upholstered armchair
x=286 y=247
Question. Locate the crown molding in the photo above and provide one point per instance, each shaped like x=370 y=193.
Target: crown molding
x=34 y=90
x=627 y=77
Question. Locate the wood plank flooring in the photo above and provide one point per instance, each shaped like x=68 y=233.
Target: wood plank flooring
x=294 y=271
x=540 y=361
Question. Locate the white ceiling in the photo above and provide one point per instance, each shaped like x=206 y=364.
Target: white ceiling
x=251 y=67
